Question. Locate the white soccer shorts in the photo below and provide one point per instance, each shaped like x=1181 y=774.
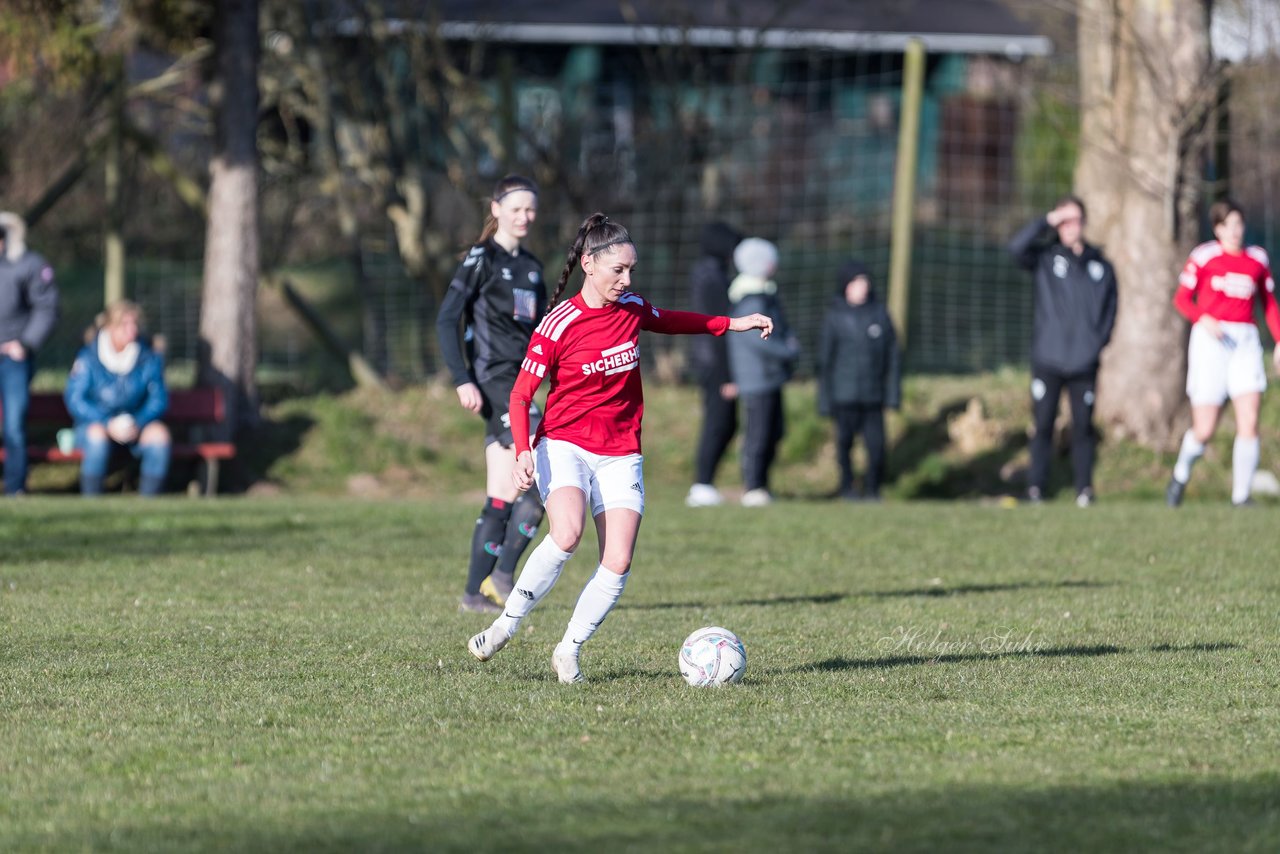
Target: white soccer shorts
x=1226 y=368
x=609 y=483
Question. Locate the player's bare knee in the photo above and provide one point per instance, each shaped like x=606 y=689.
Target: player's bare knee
x=96 y=433
x=616 y=565
x=566 y=537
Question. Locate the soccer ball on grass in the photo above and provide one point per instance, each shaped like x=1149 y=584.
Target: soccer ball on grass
x=712 y=656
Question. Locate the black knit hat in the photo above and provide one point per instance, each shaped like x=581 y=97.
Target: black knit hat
x=851 y=270
x=719 y=239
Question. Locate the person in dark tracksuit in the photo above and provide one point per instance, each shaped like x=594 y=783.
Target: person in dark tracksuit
x=1075 y=311
x=859 y=375
x=494 y=301
x=709 y=361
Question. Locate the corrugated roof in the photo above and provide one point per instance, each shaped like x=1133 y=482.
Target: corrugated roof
x=955 y=26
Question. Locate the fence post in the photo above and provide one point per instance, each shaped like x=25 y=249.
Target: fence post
x=113 y=244
x=904 y=187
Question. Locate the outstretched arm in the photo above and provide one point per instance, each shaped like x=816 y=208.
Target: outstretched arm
x=690 y=323
x=763 y=322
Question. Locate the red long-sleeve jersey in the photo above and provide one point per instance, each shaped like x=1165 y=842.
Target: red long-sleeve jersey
x=592 y=356
x=1224 y=286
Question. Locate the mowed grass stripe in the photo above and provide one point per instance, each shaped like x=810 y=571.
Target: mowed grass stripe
x=290 y=675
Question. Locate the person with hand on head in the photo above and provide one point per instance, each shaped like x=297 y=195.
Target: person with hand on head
x=28 y=313
x=709 y=361
x=859 y=375
x=760 y=366
x=586 y=454
x=1220 y=284
x=1075 y=312
x=499 y=296
x=116 y=394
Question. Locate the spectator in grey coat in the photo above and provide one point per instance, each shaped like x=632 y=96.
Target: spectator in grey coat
x=28 y=312
x=859 y=375
x=759 y=367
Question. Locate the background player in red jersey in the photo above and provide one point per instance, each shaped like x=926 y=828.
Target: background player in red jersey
x=587 y=447
x=1217 y=291
x=499 y=295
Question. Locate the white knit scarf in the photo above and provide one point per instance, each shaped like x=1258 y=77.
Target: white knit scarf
x=117 y=362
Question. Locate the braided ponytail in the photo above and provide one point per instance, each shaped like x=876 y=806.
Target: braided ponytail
x=596 y=234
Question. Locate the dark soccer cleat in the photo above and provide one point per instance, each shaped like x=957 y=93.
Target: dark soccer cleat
x=477 y=603
x=1173 y=494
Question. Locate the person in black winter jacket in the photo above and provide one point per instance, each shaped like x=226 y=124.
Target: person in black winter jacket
x=859 y=375
x=1075 y=311
x=709 y=361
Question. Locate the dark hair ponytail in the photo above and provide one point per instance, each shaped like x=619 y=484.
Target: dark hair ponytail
x=1223 y=208
x=597 y=233
x=508 y=185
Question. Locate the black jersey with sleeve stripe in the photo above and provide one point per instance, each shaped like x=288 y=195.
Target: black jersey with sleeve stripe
x=500 y=296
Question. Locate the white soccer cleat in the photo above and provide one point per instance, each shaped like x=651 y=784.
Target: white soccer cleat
x=703 y=495
x=565 y=664
x=756 y=498
x=485 y=645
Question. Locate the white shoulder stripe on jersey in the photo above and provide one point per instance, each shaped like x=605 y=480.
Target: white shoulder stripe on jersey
x=1206 y=252
x=552 y=317
x=562 y=324
x=1258 y=254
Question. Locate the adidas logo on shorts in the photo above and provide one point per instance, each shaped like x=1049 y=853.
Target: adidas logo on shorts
x=636 y=486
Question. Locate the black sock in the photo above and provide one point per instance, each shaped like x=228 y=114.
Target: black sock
x=526 y=515
x=486 y=542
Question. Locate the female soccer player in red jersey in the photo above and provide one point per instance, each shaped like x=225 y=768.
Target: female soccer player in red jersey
x=1217 y=291
x=587 y=450
x=499 y=296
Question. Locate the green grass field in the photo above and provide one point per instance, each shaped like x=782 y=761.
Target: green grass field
x=291 y=675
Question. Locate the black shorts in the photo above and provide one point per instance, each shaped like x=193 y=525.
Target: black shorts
x=496 y=398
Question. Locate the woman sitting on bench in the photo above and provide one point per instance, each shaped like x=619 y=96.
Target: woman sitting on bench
x=116 y=394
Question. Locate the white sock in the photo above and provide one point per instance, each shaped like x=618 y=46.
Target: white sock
x=539 y=575
x=1244 y=462
x=1187 y=455
x=595 y=603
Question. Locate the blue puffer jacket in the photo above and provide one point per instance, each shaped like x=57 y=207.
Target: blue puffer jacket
x=95 y=394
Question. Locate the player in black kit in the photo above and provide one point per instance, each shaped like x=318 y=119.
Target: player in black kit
x=495 y=300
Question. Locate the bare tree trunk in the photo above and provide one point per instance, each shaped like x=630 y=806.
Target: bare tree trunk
x=1146 y=84
x=228 y=330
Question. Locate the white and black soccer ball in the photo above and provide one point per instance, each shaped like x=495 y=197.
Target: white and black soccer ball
x=712 y=656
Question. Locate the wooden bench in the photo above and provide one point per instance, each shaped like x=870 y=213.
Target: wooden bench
x=190 y=411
